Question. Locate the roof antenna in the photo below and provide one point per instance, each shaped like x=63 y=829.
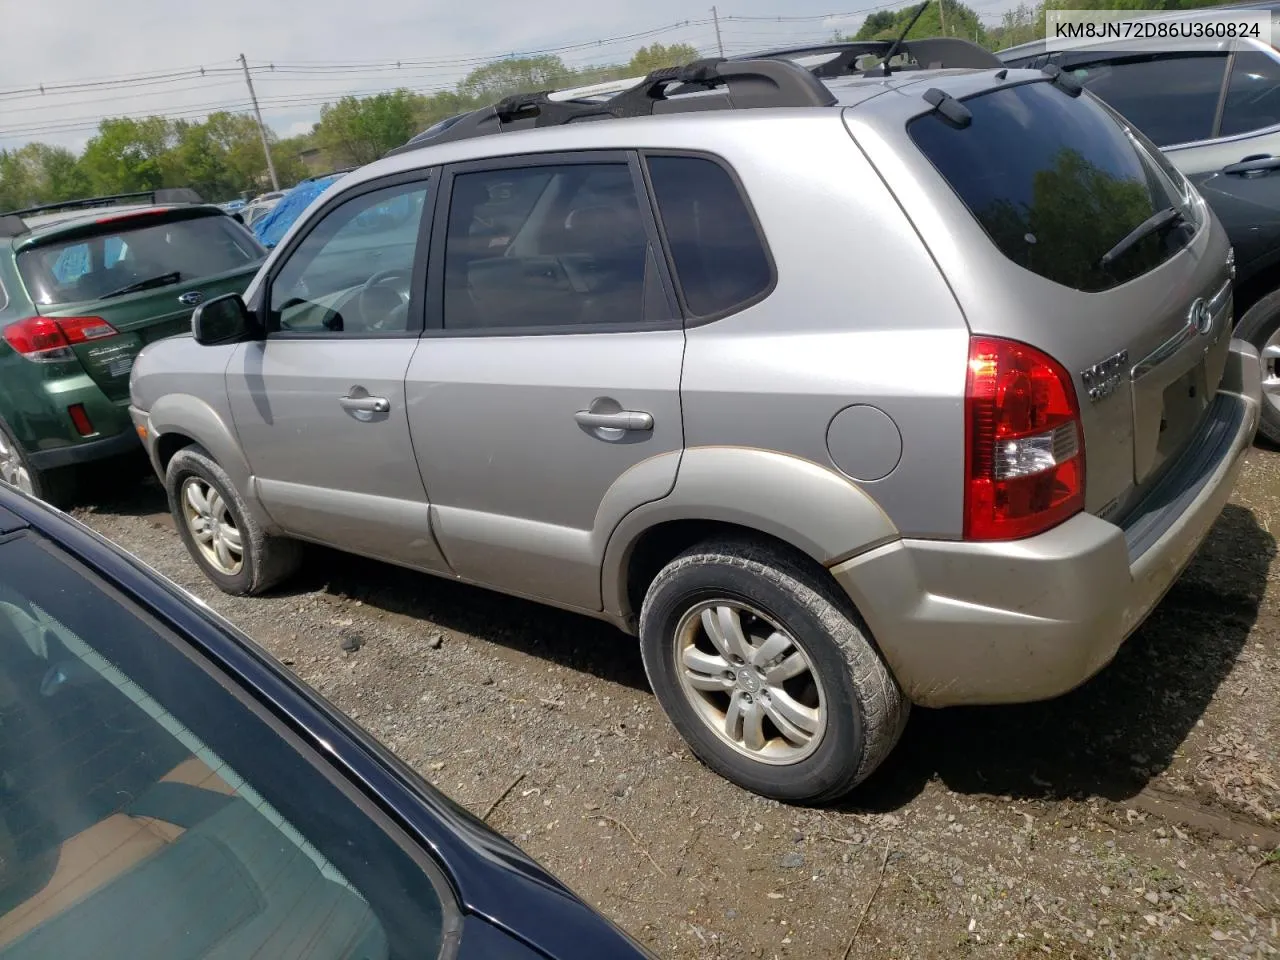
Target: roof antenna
x=893 y=48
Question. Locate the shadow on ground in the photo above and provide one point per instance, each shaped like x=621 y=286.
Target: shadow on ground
x=1111 y=736
x=1108 y=738
x=573 y=641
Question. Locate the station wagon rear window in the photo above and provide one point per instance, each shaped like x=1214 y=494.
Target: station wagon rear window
x=90 y=268
x=1056 y=183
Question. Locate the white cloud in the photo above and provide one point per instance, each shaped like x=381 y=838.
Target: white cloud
x=94 y=41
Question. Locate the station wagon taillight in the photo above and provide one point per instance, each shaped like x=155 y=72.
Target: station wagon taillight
x=1024 y=455
x=50 y=339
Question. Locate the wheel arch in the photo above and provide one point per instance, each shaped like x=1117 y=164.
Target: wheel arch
x=178 y=420
x=801 y=505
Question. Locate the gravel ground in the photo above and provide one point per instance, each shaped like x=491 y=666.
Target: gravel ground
x=1136 y=817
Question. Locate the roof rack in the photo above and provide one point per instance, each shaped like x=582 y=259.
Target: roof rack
x=725 y=84
x=12 y=224
x=933 y=53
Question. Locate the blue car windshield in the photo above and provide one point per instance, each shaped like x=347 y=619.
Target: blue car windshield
x=147 y=810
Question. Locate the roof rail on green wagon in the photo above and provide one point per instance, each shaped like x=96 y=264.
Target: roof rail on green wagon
x=13 y=225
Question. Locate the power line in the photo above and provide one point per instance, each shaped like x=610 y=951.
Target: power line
x=124 y=81
x=387 y=74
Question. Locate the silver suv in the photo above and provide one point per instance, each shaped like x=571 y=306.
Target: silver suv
x=843 y=391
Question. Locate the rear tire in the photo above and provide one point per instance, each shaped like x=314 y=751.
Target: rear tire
x=1261 y=327
x=840 y=712
x=56 y=487
x=219 y=531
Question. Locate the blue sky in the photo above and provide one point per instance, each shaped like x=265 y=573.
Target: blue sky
x=325 y=48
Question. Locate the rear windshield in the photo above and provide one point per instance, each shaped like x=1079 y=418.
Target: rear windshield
x=1056 y=182
x=88 y=268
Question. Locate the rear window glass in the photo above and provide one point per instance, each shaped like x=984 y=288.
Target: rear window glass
x=1056 y=183
x=98 y=266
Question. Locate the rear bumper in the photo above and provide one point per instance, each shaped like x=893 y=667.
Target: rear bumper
x=87 y=451
x=1031 y=619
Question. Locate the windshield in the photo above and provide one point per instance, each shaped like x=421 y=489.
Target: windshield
x=147 y=810
x=1056 y=182
x=86 y=268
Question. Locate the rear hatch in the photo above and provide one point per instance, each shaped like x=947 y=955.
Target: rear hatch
x=1038 y=235
x=119 y=282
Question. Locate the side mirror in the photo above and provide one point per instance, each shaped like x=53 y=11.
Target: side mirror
x=222 y=320
x=237 y=216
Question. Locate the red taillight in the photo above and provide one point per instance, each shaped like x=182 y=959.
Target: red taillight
x=1024 y=443
x=49 y=339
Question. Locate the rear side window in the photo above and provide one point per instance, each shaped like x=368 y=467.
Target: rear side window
x=99 y=266
x=719 y=256
x=1253 y=94
x=1055 y=181
x=1172 y=99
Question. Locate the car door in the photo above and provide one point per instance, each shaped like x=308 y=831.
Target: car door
x=1239 y=171
x=1172 y=97
x=544 y=401
x=319 y=402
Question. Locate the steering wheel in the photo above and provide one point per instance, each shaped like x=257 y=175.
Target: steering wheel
x=377 y=299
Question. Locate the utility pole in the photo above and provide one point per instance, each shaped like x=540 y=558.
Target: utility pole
x=719 y=43
x=262 y=130
x=942 y=15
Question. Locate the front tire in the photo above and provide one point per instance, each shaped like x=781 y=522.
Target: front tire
x=767 y=672
x=218 y=529
x=1261 y=327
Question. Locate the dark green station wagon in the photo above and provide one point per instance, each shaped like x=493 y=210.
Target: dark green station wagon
x=83 y=287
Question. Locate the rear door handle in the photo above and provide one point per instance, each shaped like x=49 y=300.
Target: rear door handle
x=365 y=404
x=1255 y=164
x=622 y=420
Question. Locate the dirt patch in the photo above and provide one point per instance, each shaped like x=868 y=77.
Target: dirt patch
x=1134 y=817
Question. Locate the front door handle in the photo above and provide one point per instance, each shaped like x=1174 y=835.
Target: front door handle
x=365 y=404
x=621 y=420
x=1258 y=163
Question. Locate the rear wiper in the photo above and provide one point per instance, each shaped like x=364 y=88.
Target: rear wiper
x=164 y=280
x=1158 y=222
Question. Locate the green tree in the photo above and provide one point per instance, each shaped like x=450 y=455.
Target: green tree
x=359 y=131
x=1022 y=24
x=128 y=155
x=501 y=78
x=39 y=173
x=961 y=22
x=657 y=56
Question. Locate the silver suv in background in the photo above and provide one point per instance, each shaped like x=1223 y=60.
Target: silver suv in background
x=842 y=389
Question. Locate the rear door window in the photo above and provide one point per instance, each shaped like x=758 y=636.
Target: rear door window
x=1055 y=181
x=1253 y=94
x=557 y=247
x=1172 y=99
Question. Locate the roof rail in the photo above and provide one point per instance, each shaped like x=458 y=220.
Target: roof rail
x=165 y=195
x=735 y=85
x=12 y=224
x=933 y=53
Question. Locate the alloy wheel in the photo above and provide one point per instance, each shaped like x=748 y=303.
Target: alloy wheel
x=212 y=526
x=1271 y=370
x=12 y=470
x=750 y=681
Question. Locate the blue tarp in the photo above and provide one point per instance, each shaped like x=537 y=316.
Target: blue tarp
x=271 y=229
